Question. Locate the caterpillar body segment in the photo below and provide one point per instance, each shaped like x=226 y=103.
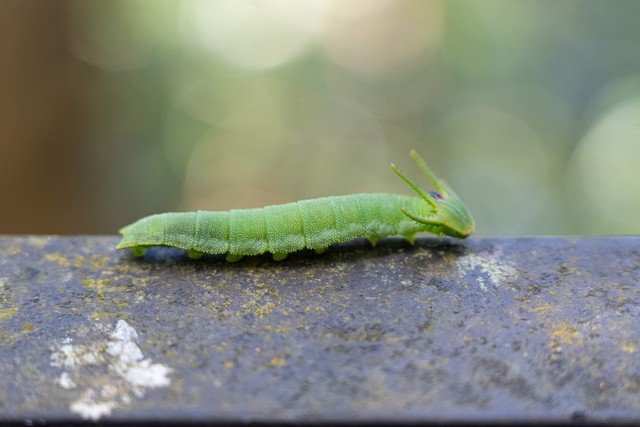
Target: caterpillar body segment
x=313 y=224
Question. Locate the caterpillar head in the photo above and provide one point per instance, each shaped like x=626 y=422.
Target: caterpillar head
x=448 y=215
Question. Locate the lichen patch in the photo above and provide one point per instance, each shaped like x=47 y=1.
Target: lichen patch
x=487 y=270
x=110 y=371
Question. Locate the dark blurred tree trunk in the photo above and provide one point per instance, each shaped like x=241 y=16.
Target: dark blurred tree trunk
x=40 y=114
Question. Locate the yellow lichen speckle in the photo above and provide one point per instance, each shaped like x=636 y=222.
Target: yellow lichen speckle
x=629 y=347
x=95 y=283
x=7 y=313
x=276 y=362
x=101 y=285
x=56 y=257
x=563 y=333
x=543 y=309
x=78 y=261
x=39 y=241
x=26 y=327
x=229 y=365
x=265 y=309
x=98 y=315
x=98 y=262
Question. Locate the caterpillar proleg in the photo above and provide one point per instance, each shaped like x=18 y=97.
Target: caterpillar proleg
x=313 y=224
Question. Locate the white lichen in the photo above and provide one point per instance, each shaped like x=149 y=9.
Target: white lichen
x=128 y=373
x=487 y=270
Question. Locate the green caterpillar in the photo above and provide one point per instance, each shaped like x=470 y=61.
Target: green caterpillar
x=313 y=224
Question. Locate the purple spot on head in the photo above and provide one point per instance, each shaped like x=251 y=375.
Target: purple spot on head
x=437 y=195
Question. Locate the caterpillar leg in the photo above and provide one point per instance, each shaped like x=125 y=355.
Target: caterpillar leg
x=411 y=238
x=234 y=257
x=194 y=254
x=373 y=240
x=138 y=251
x=280 y=256
x=321 y=250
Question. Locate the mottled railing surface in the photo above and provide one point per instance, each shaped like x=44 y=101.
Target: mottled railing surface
x=508 y=329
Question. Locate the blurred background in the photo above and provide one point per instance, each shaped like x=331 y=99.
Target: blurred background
x=112 y=110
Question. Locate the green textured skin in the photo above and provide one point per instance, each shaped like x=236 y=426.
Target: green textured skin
x=313 y=224
x=280 y=229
